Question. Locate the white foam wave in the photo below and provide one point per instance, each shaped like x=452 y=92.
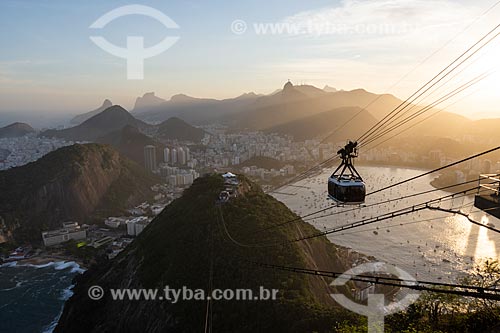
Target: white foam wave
x=67 y=293
x=58 y=266
x=9 y=264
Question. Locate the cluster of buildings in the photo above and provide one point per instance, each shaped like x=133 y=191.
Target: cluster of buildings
x=179 y=156
x=176 y=156
x=231 y=187
x=434 y=158
x=115 y=236
x=136 y=225
x=18 y=151
x=178 y=177
x=177 y=167
x=133 y=225
x=227 y=149
x=69 y=231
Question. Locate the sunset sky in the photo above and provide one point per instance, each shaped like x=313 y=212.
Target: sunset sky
x=49 y=64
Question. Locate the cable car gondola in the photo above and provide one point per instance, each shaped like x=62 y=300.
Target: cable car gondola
x=347 y=187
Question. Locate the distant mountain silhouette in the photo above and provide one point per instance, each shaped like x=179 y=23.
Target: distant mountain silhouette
x=329 y=89
x=195 y=110
x=175 y=128
x=488 y=129
x=280 y=108
x=259 y=112
x=15 y=130
x=110 y=120
x=77 y=120
x=130 y=142
x=147 y=101
x=309 y=91
x=326 y=122
x=474 y=134
x=203 y=110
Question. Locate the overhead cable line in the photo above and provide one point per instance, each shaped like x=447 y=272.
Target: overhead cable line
x=398 y=183
x=423 y=110
x=309 y=216
x=430 y=84
x=490 y=293
x=367 y=221
x=412 y=70
x=436 y=170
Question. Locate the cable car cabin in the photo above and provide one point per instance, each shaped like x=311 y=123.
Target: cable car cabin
x=347 y=187
x=346 y=190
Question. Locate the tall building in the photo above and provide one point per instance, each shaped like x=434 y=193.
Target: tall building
x=188 y=154
x=150 y=158
x=173 y=153
x=181 y=156
x=166 y=155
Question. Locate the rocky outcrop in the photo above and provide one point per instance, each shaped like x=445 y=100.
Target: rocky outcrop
x=73 y=183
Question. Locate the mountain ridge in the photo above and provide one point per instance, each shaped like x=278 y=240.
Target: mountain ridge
x=324 y=123
x=16 y=129
x=72 y=183
x=176 y=128
x=112 y=119
x=174 y=250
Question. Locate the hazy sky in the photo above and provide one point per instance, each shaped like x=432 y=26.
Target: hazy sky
x=48 y=62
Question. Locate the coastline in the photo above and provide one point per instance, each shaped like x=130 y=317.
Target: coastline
x=56 y=279
x=60 y=262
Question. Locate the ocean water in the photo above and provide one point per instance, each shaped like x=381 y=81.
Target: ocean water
x=430 y=245
x=32 y=296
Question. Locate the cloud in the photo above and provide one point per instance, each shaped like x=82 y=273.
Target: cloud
x=374 y=43
x=368 y=18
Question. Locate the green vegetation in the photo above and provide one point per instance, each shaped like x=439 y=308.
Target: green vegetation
x=175 y=250
x=179 y=246
x=263 y=162
x=443 y=313
x=85 y=254
x=79 y=182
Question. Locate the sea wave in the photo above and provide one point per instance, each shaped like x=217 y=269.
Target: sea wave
x=58 y=266
x=9 y=264
x=67 y=293
x=49 y=283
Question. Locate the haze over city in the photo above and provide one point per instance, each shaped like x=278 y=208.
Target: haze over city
x=343 y=44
